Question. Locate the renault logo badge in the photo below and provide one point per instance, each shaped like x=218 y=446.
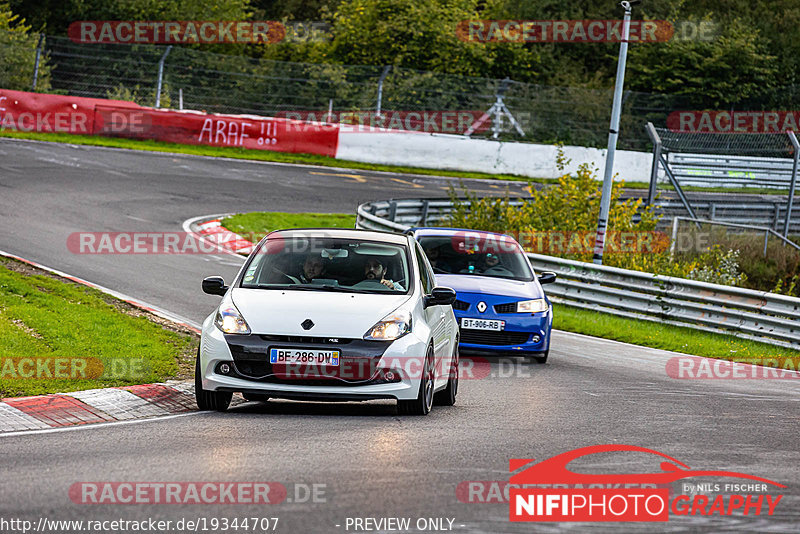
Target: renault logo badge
x=307 y=324
x=481 y=306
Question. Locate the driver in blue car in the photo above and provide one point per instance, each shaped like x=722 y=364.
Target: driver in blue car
x=492 y=265
x=375 y=269
x=438 y=263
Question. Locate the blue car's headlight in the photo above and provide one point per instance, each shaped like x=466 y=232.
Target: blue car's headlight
x=532 y=306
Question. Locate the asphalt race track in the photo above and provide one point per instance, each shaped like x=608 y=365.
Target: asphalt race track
x=367 y=461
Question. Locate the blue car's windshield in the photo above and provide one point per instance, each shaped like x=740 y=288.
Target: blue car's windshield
x=476 y=254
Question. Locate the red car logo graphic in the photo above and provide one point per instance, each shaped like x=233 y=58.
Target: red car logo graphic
x=554 y=470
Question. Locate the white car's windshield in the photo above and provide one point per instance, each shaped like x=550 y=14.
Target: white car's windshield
x=328 y=264
x=480 y=257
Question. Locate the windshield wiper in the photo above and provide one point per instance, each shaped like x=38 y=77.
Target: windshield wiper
x=312 y=287
x=267 y=286
x=340 y=289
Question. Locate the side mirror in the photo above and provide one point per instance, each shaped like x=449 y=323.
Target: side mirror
x=547 y=277
x=214 y=285
x=440 y=296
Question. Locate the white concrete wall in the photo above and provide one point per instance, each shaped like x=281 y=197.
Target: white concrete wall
x=458 y=153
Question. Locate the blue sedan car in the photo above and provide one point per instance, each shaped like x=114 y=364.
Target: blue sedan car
x=500 y=305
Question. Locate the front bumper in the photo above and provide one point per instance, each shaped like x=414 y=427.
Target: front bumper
x=524 y=334
x=361 y=375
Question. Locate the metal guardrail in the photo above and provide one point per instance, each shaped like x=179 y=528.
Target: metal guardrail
x=698 y=305
x=765 y=213
x=756 y=315
x=418 y=212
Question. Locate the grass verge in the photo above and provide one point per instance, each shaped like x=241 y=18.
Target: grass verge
x=256 y=225
x=58 y=336
x=256 y=155
x=570 y=319
x=672 y=338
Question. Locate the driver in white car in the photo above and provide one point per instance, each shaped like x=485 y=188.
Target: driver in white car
x=313 y=267
x=375 y=269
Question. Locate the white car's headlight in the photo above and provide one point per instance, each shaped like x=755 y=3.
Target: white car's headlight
x=391 y=327
x=532 y=306
x=229 y=320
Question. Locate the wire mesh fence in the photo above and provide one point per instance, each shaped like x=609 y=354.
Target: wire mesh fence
x=213 y=82
x=774 y=145
x=694 y=236
x=766 y=160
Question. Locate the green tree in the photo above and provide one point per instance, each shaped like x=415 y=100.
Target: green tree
x=728 y=69
x=418 y=34
x=573 y=64
x=306 y=10
x=777 y=22
x=18 y=54
x=54 y=16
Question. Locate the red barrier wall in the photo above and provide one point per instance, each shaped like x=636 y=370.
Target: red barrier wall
x=36 y=112
x=92 y=116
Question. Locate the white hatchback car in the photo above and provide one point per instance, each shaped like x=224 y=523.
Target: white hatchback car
x=331 y=315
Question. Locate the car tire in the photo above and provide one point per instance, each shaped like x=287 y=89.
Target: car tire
x=424 y=402
x=541 y=359
x=447 y=397
x=209 y=400
x=255 y=397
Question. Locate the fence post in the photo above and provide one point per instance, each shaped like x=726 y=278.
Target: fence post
x=385 y=72
x=656 y=139
x=180 y=98
x=674 y=238
x=766 y=241
x=796 y=146
x=161 y=75
x=424 y=220
x=776 y=217
x=38 y=59
x=679 y=190
x=613 y=134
